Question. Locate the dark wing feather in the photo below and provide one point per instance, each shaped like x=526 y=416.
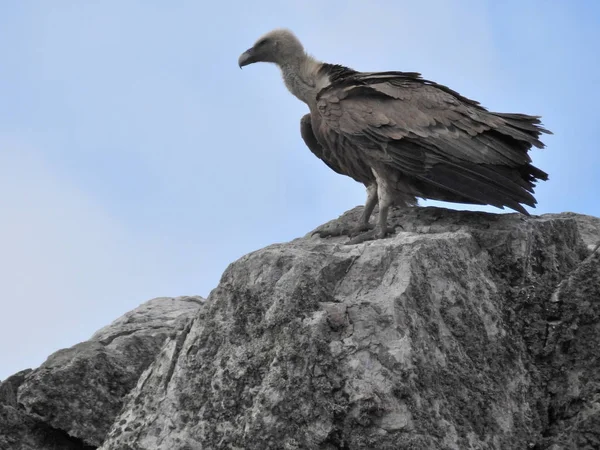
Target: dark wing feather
x=312 y=143
x=433 y=134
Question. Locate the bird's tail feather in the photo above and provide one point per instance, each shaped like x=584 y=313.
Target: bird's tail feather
x=523 y=127
x=484 y=184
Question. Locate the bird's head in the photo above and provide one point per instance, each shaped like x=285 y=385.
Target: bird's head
x=278 y=46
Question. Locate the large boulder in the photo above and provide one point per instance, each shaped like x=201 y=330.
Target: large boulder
x=463 y=330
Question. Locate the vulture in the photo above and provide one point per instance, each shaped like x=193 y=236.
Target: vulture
x=405 y=137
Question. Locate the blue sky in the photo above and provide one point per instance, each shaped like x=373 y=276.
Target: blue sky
x=137 y=160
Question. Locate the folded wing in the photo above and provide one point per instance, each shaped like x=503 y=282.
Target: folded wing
x=433 y=135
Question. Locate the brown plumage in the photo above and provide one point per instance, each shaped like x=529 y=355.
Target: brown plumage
x=404 y=137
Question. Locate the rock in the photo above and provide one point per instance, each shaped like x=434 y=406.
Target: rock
x=72 y=399
x=9 y=387
x=572 y=360
x=464 y=330
x=589 y=227
x=18 y=431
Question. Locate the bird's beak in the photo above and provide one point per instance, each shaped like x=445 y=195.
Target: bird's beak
x=247 y=58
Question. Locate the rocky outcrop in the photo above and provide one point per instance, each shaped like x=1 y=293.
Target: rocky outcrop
x=72 y=399
x=464 y=330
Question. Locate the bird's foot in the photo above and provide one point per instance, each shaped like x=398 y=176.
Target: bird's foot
x=344 y=231
x=376 y=233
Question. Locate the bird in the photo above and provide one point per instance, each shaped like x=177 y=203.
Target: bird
x=404 y=137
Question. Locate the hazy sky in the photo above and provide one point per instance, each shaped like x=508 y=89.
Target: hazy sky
x=137 y=160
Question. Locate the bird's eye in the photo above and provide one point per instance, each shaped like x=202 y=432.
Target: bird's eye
x=261 y=43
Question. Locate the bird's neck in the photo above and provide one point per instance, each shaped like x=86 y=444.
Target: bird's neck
x=302 y=78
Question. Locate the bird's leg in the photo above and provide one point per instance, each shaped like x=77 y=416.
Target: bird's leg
x=382 y=230
x=363 y=223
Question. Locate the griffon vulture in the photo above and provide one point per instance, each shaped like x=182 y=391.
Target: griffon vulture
x=405 y=137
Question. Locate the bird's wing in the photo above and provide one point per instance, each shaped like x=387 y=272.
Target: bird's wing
x=358 y=172
x=430 y=132
x=312 y=143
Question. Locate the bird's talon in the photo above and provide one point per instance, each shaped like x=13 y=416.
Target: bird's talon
x=334 y=232
x=370 y=235
x=344 y=231
x=360 y=229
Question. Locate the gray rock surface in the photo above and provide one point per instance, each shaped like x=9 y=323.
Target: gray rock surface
x=18 y=431
x=464 y=330
x=572 y=359
x=72 y=399
x=588 y=226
